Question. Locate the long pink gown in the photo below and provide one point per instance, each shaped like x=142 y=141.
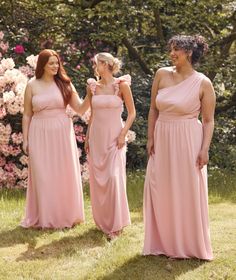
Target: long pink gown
x=106 y=162
x=175 y=194
x=54 y=193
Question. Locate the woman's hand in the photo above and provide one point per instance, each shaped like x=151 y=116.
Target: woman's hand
x=121 y=141
x=150 y=147
x=202 y=158
x=25 y=147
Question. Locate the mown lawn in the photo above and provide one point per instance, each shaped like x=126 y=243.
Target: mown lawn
x=84 y=253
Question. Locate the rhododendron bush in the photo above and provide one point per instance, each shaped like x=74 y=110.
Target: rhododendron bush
x=13 y=80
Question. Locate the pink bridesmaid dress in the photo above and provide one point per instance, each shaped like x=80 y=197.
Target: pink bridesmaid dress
x=175 y=194
x=54 y=193
x=107 y=163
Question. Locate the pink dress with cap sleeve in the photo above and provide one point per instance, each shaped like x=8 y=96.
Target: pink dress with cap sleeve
x=175 y=191
x=54 y=193
x=107 y=163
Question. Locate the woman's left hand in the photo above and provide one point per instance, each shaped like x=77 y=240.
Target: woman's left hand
x=202 y=159
x=121 y=141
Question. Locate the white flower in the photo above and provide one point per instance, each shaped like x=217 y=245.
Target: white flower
x=32 y=60
x=20 y=88
x=8 y=96
x=131 y=136
x=7 y=63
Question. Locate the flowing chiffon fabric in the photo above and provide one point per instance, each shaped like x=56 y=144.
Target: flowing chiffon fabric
x=175 y=194
x=54 y=193
x=107 y=163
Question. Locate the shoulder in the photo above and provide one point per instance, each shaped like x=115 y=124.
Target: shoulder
x=163 y=72
x=124 y=80
x=205 y=81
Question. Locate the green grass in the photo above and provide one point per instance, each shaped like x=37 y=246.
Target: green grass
x=84 y=253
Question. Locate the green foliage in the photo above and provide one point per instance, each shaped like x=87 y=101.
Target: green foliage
x=137 y=32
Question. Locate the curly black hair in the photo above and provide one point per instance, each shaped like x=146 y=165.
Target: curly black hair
x=196 y=43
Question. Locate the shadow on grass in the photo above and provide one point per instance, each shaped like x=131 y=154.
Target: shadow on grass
x=69 y=245
x=152 y=267
x=21 y=235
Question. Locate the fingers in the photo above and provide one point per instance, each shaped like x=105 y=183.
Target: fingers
x=200 y=162
x=120 y=144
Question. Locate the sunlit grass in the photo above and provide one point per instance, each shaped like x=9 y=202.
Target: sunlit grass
x=84 y=252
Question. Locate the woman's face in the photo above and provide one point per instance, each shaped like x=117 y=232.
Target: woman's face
x=178 y=56
x=52 y=66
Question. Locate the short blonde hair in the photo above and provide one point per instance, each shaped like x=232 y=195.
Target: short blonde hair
x=114 y=64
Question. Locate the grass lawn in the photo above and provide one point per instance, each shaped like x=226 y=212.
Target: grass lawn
x=84 y=253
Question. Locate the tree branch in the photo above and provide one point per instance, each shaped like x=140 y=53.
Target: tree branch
x=133 y=53
x=160 y=36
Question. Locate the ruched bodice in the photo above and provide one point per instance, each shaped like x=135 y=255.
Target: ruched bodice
x=47 y=98
x=106 y=161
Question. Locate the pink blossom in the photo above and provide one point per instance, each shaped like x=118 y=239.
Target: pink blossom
x=2 y=161
x=13 y=108
x=78 y=128
x=78 y=67
x=19 y=49
x=1 y=35
x=4 y=46
x=2 y=113
x=80 y=138
x=9 y=167
x=5 y=150
x=4 y=139
x=17 y=138
x=24 y=160
x=26 y=70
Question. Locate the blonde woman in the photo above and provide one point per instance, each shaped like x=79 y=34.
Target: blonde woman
x=106 y=146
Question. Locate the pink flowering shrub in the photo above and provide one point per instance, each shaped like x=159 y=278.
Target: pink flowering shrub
x=13 y=79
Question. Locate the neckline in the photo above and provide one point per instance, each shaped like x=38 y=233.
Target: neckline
x=194 y=72
x=109 y=95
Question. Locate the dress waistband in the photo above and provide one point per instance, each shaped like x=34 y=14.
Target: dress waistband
x=171 y=118
x=50 y=113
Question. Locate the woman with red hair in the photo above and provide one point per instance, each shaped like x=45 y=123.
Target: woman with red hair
x=54 y=193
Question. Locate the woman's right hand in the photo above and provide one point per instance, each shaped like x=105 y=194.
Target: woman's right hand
x=150 y=147
x=25 y=147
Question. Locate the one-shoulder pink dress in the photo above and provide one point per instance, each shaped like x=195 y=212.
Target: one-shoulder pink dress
x=54 y=193
x=107 y=163
x=176 y=194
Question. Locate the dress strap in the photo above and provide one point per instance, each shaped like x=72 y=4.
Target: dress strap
x=125 y=78
x=92 y=83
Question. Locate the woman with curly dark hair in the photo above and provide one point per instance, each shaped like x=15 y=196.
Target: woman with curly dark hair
x=175 y=195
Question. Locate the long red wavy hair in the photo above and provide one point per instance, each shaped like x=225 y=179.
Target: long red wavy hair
x=61 y=78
